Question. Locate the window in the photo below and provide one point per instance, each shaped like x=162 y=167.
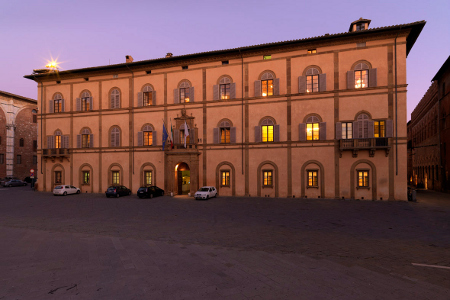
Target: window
x=225 y=62
x=361 y=76
x=115 y=98
x=58 y=177
x=347 y=131
x=225 y=178
x=58 y=140
x=313 y=178
x=34 y=160
x=312 y=80
x=0 y=139
x=85 y=139
x=267 y=178
x=147 y=98
x=188 y=140
x=312 y=129
x=362 y=124
x=115 y=177
x=184 y=94
x=360 y=26
x=265 y=57
x=148 y=138
x=86 y=177
x=86 y=101
x=21 y=142
x=2 y=159
x=363 y=178
x=225 y=91
x=225 y=135
x=115 y=137
x=267 y=87
x=379 y=129
x=34 y=145
x=19 y=159
x=34 y=112
x=184 y=67
x=57 y=104
x=312 y=51
x=148 y=178
x=267 y=133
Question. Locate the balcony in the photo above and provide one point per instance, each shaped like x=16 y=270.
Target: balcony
x=52 y=154
x=371 y=144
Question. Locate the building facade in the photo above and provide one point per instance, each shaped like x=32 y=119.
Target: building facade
x=18 y=135
x=306 y=118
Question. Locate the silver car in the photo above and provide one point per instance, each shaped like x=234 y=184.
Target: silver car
x=205 y=192
x=65 y=190
x=14 y=182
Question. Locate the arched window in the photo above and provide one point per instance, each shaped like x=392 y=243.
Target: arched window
x=184 y=93
x=85 y=102
x=58 y=139
x=115 y=98
x=364 y=127
x=225 y=133
x=267 y=131
x=147 y=136
x=115 y=137
x=362 y=76
x=312 y=128
x=312 y=81
x=225 y=89
x=147 y=96
x=56 y=105
x=268 y=85
x=85 y=139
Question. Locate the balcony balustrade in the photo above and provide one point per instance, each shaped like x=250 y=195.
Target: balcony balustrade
x=52 y=154
x=371 y=144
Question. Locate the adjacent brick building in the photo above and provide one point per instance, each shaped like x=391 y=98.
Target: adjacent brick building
x=18 y=135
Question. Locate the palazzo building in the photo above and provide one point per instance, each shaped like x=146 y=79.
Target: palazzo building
x=18 y=135
x=321 y=117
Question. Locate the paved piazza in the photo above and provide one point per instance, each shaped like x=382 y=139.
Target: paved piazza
x=91 y=247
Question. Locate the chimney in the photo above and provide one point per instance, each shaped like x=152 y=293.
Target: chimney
x=169 y=54
x=129 y=58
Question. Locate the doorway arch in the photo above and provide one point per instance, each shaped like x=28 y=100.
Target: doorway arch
x=183 y=178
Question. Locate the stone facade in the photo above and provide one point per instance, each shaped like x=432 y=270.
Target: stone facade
x=308 y=118
x=18 y=135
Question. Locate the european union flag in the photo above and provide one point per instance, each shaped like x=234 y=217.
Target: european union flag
x=164 y=137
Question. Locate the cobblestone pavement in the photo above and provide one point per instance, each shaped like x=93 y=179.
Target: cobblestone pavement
x=91 y=247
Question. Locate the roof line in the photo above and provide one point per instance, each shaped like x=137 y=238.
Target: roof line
x=18 y=96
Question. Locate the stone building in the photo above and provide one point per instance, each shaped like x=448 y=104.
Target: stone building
x=18 y=135
x=304 y=118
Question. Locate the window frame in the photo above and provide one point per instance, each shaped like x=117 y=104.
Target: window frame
x=346 y=131
x=225 y=135
x=267 y=181
x=183 y=92
x=365 y=179
x=21 y=142
x=2 y=158
x=266 y=81
x=225 y=91
x=58 y=177
x=312 y=178
x=225 y=178
x=115 y=177
x=19 y=159
x=147 y=98
x=85 y=140
x=148 y=172
x=379 y=128
x=86 y=180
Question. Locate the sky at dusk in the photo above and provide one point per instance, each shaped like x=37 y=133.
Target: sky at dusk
x=96 y=32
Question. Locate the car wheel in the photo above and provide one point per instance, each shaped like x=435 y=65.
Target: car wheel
x=65 y=194
x=78 y=191
x=117 y=195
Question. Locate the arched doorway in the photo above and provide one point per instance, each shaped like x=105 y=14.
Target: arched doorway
x=183 y=178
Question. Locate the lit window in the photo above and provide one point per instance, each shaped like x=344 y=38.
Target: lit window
x=267 y=133
x=148 y=98
x=363 y=178
x=86 y=177
x=148 y=138
x=267 y=87
x=182 y=137
x=267 y=57
x=115 y=177
x=267 y=178
x=57 y=105
x=184 y=94
x=361 y=76
x=224 y=91
x=312 y=80
x=85 y=140
x=313 y=178
x=148 y=178
x=312 y=131
x=225 y=135
x=312 y=51
x=225 y=178
x=85 y=101
x=347 y=130
x=379 y=129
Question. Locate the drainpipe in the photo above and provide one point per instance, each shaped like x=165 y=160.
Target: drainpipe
x=42 y=94
x=132 y=110
x=242 y=111
x=396 y=113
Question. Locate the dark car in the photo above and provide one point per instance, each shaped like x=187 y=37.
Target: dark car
x=117 y=191
x=14 y=182
x=150 y=192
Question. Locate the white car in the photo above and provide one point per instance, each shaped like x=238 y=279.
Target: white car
x=205 y=192
x=65 y=190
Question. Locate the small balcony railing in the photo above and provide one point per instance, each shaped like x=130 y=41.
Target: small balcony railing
x=371 y=144
x=59 y=152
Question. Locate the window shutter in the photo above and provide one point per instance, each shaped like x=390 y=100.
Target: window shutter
x=322 y=131
x=50 y=106
x=302 y=132
x=233 y=135
x=117 y=100
x=338 y=130
x=322 y=82
x=113 y=101
x=113 y=139
x=350 y=80
x=389 y=128
x=216 y=92
x=52 y=143
x=78 y=104
x=257 y=134
x=233 y=90
x=258 y=88
x=91 y=139
x=372 y=77
x=155 y=140
x=356 y=125
x=276 y=86
x=63 y=105
x=140 y=99
x=216 y=134
x=176 y=96
x=276 y=133
x=90 y=103
x=191 y=94
x=370 y=129
x=302 y=84
x=176 y=136
x=140 y=138
x=192 y=136
x=49 y=141
x=65 y=143
x=153 y=98
x=78 y=140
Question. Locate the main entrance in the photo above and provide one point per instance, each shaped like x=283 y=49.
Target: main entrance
x=183 y=178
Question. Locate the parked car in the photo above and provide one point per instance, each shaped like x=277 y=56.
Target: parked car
x=14 y=182
x=205 y=192
x=65 y=190
x=5 y=179
x=117 y=191
x=150 y=192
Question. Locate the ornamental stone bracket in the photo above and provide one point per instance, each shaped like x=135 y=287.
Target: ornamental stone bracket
x=355 y=153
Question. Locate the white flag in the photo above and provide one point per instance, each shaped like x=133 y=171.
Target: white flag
x=186 y=133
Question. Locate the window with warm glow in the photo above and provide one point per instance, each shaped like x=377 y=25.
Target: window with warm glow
x=312 y=131
x=267 y=133
x=267 y=178
x=313 y=178
x=225 y=178
x=225 y=135
x=58 y=141
x=312 y=83
x=57 y=105
x=267 y=87
x=85 y=104
x=363 y=178
x=148 y=98
x=148 y=138
x=86 y=177
x=115 y=177
x=148 y=178
x=225 y=91
x=361 y=79
x=379 y=129
x=347 y=130
x=182 y=137
x=184 y=94
x=85 y=140
x=312 y=51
